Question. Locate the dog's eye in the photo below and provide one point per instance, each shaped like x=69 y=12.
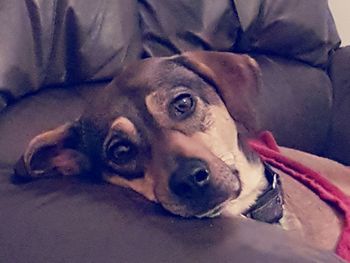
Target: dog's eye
x=182 y=106
x=121 y=152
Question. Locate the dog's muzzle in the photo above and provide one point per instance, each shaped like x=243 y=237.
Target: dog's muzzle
x=201 y=189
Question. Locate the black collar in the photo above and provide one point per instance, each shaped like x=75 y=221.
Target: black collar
x=269 y=205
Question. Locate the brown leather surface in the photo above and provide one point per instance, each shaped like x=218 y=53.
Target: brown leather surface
x=339 y=142
x=298 y=29
x=72 y=41
x=68 y=41
x=267 y=27
x=65 y=41
x=295 y=103
x=170 y=27
x=69 y=220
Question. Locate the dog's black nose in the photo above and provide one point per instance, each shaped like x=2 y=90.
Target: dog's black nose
x=190 y=179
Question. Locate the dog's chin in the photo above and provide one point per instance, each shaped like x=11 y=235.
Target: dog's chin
x=183 y=211
x=221 y=209
x=215 y=212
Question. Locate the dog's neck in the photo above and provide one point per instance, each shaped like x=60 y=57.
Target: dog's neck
x=269 y=205
x=253 y=183
x=261 y=197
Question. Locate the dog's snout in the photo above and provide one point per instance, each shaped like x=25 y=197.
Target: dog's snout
x=190 y=178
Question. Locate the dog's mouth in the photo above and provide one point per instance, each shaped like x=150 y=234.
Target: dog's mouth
x=220 y=207
x=215 y=212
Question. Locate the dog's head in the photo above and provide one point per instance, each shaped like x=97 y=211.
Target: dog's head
x=172 y=129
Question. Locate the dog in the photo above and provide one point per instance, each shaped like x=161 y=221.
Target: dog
x=175 y=130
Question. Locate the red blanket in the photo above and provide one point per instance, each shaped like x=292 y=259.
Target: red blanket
x=268 y=150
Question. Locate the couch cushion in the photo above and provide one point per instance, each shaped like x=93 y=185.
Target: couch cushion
x=295 y=103
x=50 y=42
x=67 y=220
x=339 y=142
x=69 y=41
x=288 y=29
x=171 y=27
x=276 y=27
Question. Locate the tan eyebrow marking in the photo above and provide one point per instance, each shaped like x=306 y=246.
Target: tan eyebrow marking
x=155 y=107
x=125 y=125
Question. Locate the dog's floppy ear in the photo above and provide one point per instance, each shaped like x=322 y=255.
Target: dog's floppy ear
x=55 y=152
x=237 y=79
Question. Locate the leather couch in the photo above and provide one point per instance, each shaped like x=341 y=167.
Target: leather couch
x=56 y=54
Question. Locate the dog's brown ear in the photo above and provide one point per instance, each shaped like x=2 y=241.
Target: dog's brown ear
x=237 y=79
x=55 y=152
